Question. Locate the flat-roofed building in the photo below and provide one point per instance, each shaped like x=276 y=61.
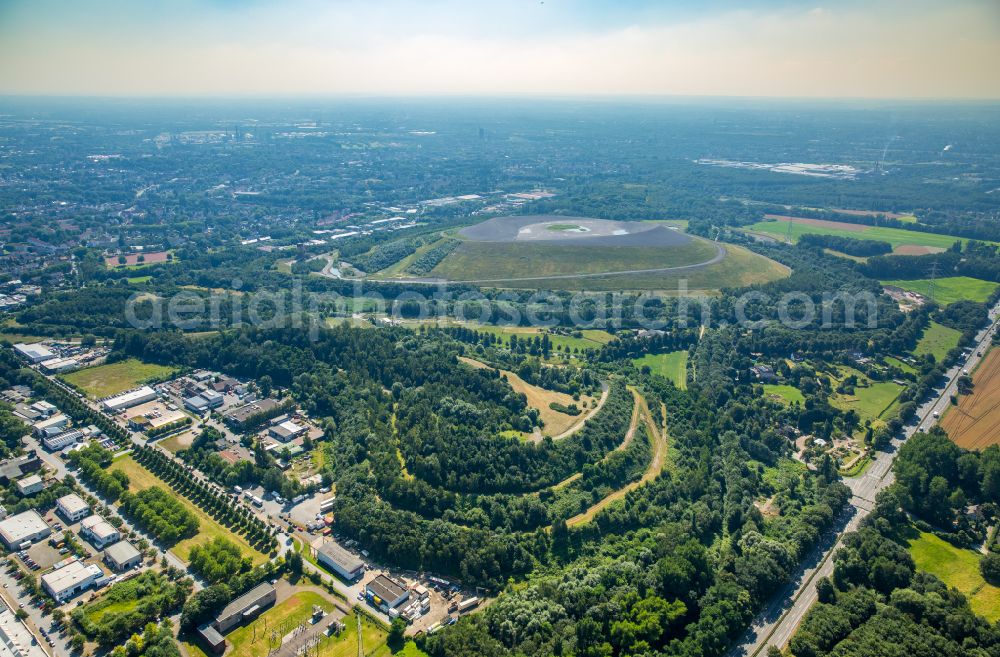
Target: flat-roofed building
x=99 y=531
x=340 y=561
x=129 y=399
x=15 y=468
x=386 y=593
x=246 y=607
x=196 y=404
x=29 y=485
x=55 y=424
x=240 y=415
x=286 y=431
x=122 y=555
x=16 y=640
x=72 y=507
x=59 y=365
x=26 y=527
x=34 y=353
x=62 y=440
x=72 y=579
x=211 y=637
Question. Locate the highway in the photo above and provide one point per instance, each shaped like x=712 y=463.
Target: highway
x=776 y=624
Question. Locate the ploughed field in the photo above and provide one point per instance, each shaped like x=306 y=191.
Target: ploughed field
x=972 y=423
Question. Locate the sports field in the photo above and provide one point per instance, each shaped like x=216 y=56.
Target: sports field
x=937 y=340
x=972 y=424
x=903 y=241
x=949 y=290
x=208 y=528
x=105 y=380
x=673 y=366
x=957 y=568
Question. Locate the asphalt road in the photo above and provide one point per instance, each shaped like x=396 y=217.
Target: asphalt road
x=777 y=623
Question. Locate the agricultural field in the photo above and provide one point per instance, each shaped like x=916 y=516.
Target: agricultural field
x=909 y=242
x=972 y=423
x=786 y=394
x=104 y=380
x=950 y=289
x=556 y=422
x=672 y=366
x=140 y=478
x=958 y=568
x=937 y=340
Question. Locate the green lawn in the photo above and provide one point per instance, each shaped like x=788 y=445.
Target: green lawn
x=937 y=340
x=897 y=237
x=895 y=362
x=514 y=260
x=255 y=638
x=958 y=568
x=138 y=280
x=873 y=402
x=949 y=290
x=113 y=378
x=788 y=394
x=140 y=478
x=672 y=366
x=589 y=339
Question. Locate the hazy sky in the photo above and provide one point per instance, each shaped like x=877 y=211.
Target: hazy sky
x=876 y=48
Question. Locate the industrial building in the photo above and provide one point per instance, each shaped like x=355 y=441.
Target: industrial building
x=385 y=593
x=72 y=579
x=55 y=424
x=129 y=399
x=99 y=531
x=286 y=431
x=29 y=485
x=246 y=607
x=34 y=353
x=243 y=413
x=15 y=638
x=62 y=439
x=72 y=507
x=340 y=561
x=215 y=641
x=122 y=555
x=17 y=467
x=26 y=527
x=59 y=365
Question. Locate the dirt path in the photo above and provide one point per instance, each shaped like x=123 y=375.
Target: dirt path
x=656 y=463
x=541 y=399
x=605 y=388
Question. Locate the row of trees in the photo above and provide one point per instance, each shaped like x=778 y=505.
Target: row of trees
x=206 y=496
x=161 y=514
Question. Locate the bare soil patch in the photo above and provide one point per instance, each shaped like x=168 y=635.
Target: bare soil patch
x=556 y=423
x=914 y=249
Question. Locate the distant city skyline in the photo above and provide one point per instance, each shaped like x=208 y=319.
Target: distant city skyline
x=883 y=49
